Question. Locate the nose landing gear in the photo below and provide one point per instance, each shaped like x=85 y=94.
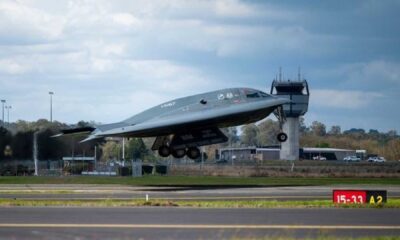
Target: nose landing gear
x=282 y=137
x=280 y=115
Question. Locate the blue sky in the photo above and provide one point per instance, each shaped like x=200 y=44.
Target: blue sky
x=107 y=60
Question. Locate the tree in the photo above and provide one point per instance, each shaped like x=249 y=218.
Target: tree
x=41 y=124
x=373 y=132
x=393 y=149
x=231 y=134
x=49 y=148
x=5 y=140
x=318 y=128
x=111 y=150
x=268 y=130
x=335 y=130
x=355 y=131
x=303 y=129
x=22 y=145
x=392 y=133
x=23 y=126
x=82 y=124
x=136 y=149
x=249 y=135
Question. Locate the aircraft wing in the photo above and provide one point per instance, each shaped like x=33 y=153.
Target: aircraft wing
x=76 y=131
x=91 y=132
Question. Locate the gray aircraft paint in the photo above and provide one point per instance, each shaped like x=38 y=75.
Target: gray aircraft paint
x=189 y=110
x=211 y=110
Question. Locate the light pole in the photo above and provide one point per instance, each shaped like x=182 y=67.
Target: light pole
x=3 y=101
x=8 y=115
x=123 y=151
x=51 y=106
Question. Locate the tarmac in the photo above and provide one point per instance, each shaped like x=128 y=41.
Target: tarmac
x=190 y=223
x=194 y=223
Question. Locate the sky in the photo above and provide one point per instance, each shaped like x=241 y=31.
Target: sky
x=108 y=60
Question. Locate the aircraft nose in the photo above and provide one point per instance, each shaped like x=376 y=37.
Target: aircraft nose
x=281 y=100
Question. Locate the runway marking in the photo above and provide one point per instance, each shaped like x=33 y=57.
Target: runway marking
x=200 y=226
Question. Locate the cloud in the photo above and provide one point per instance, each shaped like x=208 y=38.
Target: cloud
x=106 y=90
x=114 y=58
x=234 y=8
x=20 y=23
x=372 y=75
x=377 y=71
x=12 y=67
x=237 y=40
x=329 y=98
x=210 y=27
x=125 y=19
x=170 y=77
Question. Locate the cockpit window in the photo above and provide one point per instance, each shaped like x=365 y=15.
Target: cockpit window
x=249 y=93
x=264 y=95
x=252 y=95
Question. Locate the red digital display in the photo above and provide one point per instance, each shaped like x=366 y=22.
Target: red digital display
x=349 y=196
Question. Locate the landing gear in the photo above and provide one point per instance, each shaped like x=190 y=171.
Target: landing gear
x=186 y=142
x=193 y=153
x=164 y=151
x=280 y=115
x=178 y=153
x=282 y=137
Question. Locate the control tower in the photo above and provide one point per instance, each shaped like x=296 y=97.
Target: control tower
x=298 y=93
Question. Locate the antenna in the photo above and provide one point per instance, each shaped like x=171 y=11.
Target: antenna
x=299 y=74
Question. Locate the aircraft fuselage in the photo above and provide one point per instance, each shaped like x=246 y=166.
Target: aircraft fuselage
x=223 y=108
x=183 y=124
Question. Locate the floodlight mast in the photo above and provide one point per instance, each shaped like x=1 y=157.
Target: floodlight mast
x=299 y=94
x=8 y=114
x=3 y=102
x=51 y=105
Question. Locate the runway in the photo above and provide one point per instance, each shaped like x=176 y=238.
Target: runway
x=189 y=223
x=90 y=192
x=192 y=223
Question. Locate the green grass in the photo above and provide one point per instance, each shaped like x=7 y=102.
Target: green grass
x=199 y=181
x=394 y=203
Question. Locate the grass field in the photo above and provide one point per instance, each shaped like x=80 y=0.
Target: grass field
x=198 y=181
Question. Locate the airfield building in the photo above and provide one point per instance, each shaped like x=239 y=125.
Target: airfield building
x=251 y=154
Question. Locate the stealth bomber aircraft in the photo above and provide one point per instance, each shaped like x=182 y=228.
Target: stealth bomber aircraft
x=182 y=125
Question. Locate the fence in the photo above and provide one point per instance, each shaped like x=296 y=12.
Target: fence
x=248 y=169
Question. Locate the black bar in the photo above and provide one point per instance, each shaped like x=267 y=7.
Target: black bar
x=376 y=196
